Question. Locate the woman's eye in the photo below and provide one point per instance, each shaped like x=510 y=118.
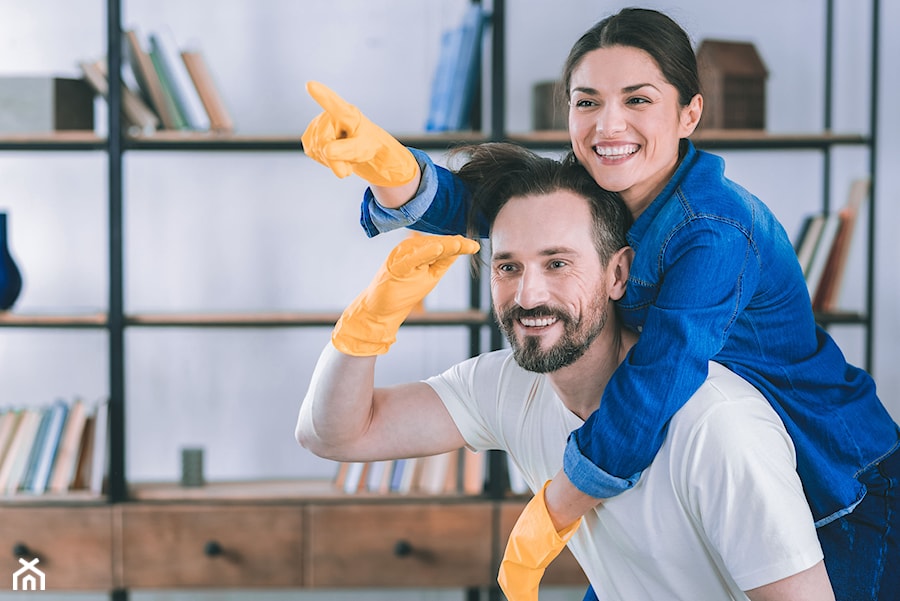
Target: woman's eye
x=583 y=103
x=638 y=101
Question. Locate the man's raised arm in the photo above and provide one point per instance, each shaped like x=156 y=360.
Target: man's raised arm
x=343 y=416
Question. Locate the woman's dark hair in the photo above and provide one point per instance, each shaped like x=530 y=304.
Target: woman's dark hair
x=648 y=30
x=495 y=172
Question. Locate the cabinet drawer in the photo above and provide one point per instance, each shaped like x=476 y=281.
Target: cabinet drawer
x=563 y=571
x=211 y=546
x=399 y=545
x=73 y=546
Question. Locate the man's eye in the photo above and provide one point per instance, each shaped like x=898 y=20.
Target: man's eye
x=557 y=264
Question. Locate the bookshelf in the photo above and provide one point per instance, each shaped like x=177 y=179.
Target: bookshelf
x=125 y=505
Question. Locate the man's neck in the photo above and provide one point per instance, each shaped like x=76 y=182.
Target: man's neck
x=581 y=384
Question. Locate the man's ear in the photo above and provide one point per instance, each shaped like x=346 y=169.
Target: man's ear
x=618 y=269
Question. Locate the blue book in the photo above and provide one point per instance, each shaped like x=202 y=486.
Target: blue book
x=46 y=451
x=468 y=69
x=442 y=84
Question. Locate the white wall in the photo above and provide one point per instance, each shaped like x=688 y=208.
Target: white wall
x=275 y=231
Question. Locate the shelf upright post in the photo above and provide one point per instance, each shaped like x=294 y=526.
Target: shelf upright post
x=498 y=71
x=873 y=165
x=115 y=319
x=828 y=106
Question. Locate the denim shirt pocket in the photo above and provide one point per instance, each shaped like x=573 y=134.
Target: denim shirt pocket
x=634 y=305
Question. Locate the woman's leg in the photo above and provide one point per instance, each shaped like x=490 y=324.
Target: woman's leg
x=862 y=549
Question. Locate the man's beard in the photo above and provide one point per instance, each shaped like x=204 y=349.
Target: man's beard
x=578 y=334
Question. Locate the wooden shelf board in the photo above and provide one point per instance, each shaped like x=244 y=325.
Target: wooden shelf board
x=74 y=497
x=87 y=320
x=296 y=319
x=268 y=491
x=53 y=140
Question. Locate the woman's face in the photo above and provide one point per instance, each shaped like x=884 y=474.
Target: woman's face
x=625 y=122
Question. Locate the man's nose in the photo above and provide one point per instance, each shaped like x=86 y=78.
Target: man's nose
x=533 y=290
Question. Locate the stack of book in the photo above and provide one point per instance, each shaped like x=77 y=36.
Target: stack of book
x=823 y=246
x=456 y=472
x=163 y=87
x=57 y=448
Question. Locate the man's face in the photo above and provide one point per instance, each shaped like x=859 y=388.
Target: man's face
x=547 y=282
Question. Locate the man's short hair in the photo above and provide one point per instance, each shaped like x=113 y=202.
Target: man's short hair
x=495 y=172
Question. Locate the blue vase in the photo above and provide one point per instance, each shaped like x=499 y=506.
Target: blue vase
x=10 y=278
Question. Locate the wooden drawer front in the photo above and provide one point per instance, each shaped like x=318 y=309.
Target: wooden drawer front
x=73 y=546
x=399 y=545
x=563 y=571
x=211 y=546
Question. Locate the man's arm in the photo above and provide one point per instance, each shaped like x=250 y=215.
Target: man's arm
x=345 y=418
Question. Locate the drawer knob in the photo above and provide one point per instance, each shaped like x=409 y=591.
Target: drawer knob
x=21 y=550
x=403 y=548
x=212 y=548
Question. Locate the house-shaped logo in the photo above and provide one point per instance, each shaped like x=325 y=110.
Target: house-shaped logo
x=28 y=577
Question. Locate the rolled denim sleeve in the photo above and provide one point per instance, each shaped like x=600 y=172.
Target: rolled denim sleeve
x=590 y=479
x=376 y=219
x=440 y=206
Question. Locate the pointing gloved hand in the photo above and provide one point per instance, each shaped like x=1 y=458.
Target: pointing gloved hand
x=533 y=544
x=415 y=266
x=344 y=140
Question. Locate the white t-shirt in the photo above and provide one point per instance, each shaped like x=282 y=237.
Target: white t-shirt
x=719 y=511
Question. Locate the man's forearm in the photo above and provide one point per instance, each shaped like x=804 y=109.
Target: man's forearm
x=565 y=503
x=338 y=405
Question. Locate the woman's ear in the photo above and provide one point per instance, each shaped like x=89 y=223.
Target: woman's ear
x=618 y=269
x=690 y=116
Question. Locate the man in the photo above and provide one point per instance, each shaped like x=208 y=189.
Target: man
x=719 y=512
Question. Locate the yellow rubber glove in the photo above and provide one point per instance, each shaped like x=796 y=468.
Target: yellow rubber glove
x=533 y=544
x=344 y=140
x=415 y=266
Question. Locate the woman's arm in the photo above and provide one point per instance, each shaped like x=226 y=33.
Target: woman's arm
x=707 y=277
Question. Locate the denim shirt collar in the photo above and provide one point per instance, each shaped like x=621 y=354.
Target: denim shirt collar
x=639 y=227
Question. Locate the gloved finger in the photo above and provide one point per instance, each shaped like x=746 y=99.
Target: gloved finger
x=346 y=116
x=435 y=253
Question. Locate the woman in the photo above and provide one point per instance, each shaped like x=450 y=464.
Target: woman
x=714 y=278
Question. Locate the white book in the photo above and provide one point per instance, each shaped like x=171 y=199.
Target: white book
x=182 y=86
x=100 y=448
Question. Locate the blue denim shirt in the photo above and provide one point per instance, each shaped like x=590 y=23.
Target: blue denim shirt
x=714 y=276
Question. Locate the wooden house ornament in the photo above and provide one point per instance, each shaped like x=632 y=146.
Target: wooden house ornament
x=733 y=84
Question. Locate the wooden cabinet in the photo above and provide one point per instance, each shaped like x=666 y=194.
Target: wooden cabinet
x=563 y=571
x=211 y=546
x=400 y=545
x=73 y=545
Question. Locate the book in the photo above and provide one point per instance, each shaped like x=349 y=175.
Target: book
x=468 y=68
x=821 y=252
x=148 y=80
x=8 y=423
x=355 y=479
x=100 y=448
x=456 y=74
x=808 y=239
x=219 y=118
x=82 y=478
x=828 y=290
x=34 y=103
x=36 y=446
x=49 y=445
x=139 y=118
x=175 y=111
x=178 y=80
x=435 y=469
x=63 y=473
x=14 y=464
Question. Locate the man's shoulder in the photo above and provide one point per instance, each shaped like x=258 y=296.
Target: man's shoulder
x=724 y=408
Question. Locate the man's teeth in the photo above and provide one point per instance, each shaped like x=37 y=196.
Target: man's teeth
x=537 y=322
x=614 y=151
